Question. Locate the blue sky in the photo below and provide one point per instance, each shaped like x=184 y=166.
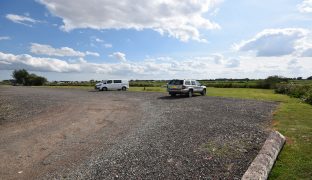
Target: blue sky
x=136 y=39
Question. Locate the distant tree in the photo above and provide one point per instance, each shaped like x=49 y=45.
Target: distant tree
x=34 y=80
x=299 y=78
x=20 y=76
x=271 y=82
x=309 y=78
x=23 y=77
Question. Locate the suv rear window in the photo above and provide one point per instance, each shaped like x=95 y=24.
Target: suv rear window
x=176 y=82
x=187 y=83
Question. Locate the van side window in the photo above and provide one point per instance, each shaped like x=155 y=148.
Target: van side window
x=187 y=83
x=193 y=83
x=117 y=81
x=109 y=82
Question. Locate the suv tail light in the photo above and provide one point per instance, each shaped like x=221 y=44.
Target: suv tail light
x=183 y=87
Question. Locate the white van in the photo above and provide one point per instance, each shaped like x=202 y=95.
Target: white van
x=106 y=85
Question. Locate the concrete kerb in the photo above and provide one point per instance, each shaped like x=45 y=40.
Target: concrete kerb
x=263 y=163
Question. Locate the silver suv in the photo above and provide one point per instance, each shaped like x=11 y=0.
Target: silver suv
x=187 y=86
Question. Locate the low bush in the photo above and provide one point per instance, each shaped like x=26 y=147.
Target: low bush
x=298 y=91
x=231 y=84
x=303 y=92
x=271 y=82
x=34 y=80
x=308 y=96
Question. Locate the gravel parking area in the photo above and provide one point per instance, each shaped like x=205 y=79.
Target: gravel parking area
x=50 y=133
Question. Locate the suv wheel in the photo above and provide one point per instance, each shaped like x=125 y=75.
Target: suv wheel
x=203 y=93
x=190 y=93
x=104 y=89
x=172 y=94
x=123 y=88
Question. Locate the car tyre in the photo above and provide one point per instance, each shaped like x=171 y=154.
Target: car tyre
x=190 y=93
x=124 y=88
x=104 y=89
x=173 y=94
x=203 y=93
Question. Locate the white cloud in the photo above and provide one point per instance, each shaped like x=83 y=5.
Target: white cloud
x=48 y=50
x=107 y=45
x=119 y=55
x=232 y=63
x=277 y=42
x=4 y=38
x=181 y=19
x=92 y=53
x=10 y=62
x=218 y=58
x=305 y=6
x=95 y=40
x=167 y=68
x=304 y=46
x=98 y=40
x=294 y=67
x=21 y=19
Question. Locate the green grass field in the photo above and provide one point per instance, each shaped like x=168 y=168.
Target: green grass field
x=292 y=118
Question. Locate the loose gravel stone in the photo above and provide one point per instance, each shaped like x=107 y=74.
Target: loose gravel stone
x=148 y=135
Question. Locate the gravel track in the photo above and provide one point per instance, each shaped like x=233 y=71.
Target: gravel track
x=50 y=133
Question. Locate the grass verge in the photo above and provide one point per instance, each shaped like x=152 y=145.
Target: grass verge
x=147 y=89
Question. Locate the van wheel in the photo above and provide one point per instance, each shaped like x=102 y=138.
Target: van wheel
x=190 y=93
x=124 y=88
x=104 y=89
x=203 y=93
x=173 y=94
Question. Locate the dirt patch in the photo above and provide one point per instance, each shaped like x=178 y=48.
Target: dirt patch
x=289 y=141
x=60 y=135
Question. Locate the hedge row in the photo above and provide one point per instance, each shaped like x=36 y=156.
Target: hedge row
x=303 y=92
x=70 y=84
x=232 y=85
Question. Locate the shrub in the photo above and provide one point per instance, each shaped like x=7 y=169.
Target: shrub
x=271 y=82
x=298 y=91
x=282 y=88
x=308 y=97
x=34 y=80
x=303 y=92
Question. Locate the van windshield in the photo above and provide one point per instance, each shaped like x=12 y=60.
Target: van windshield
x=176 y=82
